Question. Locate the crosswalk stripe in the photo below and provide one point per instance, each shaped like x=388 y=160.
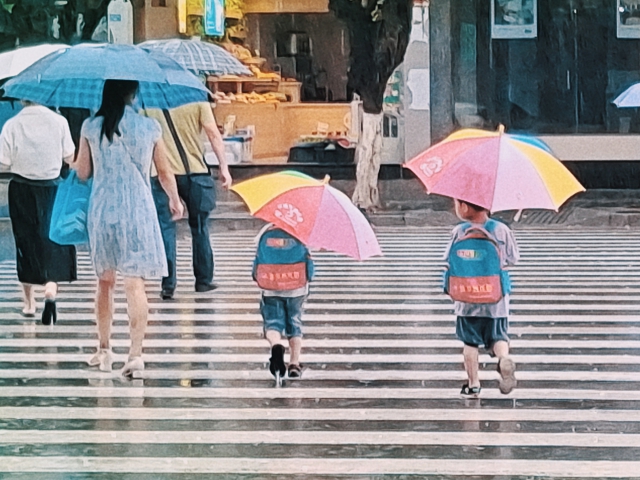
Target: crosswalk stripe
x=317 y=466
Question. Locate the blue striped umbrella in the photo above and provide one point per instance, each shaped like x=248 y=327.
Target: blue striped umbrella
x=74 y=77
x=199 y=57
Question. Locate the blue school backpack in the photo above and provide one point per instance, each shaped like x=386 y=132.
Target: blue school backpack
x=282 y=262
x=474 y=273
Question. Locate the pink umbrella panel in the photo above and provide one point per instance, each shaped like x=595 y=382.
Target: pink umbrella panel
x=496 y=172
x=323 y=217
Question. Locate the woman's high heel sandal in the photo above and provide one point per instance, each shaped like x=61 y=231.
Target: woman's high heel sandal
x=49 y=313
x=102 y=359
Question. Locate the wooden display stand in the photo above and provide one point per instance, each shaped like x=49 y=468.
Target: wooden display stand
x=258 y=85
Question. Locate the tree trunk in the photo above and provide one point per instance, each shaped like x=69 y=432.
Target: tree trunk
x=368 y=155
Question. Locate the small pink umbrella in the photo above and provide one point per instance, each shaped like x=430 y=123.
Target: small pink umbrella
x=317 y=214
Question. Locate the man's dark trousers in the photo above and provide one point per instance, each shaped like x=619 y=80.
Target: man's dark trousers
x=198 y=193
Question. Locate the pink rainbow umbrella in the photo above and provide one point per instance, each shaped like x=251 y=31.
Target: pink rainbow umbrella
x=496 y=171
x=319 y=215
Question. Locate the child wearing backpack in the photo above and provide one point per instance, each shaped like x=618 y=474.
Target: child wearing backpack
x=282 y=269
x=479 y=250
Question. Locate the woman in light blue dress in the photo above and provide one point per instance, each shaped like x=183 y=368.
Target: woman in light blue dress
x=117 y=147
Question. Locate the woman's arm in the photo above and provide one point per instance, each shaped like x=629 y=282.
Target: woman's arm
x=167 y=179
x=83 y=165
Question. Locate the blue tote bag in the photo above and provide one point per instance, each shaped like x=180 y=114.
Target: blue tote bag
x=69 y=215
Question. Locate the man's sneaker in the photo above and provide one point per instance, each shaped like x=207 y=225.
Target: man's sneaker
x=207 y=287
x=294 y=370
x=507 y=371
x=276 y=362
x=470 y=392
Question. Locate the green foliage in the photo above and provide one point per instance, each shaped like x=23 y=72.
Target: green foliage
x=7 y=6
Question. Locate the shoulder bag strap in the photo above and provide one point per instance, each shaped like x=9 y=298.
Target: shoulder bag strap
x=176 y=139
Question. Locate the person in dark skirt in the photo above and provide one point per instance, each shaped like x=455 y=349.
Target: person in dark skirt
x=33 y=146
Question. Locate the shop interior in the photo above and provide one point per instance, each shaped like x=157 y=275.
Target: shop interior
x=294 y=108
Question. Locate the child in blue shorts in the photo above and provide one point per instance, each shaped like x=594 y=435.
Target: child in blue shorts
x=485 y=323
x=282 y=269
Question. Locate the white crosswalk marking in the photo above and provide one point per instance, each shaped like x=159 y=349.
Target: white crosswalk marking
x=379 y=396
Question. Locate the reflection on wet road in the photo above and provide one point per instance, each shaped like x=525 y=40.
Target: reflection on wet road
x=379 y=398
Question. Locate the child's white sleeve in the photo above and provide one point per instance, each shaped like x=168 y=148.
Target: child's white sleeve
x=454 y=236
x=512 y=253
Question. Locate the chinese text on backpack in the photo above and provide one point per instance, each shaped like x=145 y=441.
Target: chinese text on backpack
x=281 y=262
x=475 y=273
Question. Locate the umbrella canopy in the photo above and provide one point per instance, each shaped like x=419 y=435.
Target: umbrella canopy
x=15 y=61
x=629 y=98
x=496 y=171
x=198 y=57
x=319 y=215
x=74 y=77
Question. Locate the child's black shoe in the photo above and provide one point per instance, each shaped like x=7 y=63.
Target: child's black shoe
x=470 y=392
x=276 y=362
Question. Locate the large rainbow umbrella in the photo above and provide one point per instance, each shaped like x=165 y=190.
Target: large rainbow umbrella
x=495 y=170
x=314 y=212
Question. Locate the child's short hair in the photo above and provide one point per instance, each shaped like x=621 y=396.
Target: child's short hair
x=473 y=206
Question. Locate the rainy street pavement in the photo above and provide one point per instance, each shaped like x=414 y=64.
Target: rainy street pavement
x=379 y=398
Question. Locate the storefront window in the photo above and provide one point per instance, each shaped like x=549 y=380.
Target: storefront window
x=561 y=81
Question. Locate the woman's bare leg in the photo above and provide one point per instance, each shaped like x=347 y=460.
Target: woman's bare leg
x=50 y=290
x=138 y=310
x=104 y=307
x=28 y=298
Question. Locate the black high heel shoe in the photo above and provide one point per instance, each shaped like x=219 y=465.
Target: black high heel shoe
x=49 y=313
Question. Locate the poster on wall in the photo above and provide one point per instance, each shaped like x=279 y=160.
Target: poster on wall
x=214 y=18
x=514 y=18
x=628 y=18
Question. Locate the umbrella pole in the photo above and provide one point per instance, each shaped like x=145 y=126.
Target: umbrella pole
x=517 y=215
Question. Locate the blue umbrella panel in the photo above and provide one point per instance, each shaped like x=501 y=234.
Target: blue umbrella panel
x=74 y=78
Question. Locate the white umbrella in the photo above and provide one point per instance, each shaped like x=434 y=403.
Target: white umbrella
x=15 y=61
x=629 y=98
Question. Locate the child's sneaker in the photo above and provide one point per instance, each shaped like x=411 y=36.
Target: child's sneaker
x=295 y=370
x=507 y=371
x=276 y=362
x=470 y=392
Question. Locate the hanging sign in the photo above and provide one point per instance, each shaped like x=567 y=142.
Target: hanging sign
x=514 y=19
x=214 y=18
x=120 y=22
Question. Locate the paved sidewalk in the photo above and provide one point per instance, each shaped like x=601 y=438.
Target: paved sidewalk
x=406 y=204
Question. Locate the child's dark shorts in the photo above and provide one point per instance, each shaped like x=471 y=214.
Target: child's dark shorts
x=476 y=331
x=283 y=314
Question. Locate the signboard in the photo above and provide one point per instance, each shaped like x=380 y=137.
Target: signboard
x=628 y=19
x=214 y=18
x=514 y=19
